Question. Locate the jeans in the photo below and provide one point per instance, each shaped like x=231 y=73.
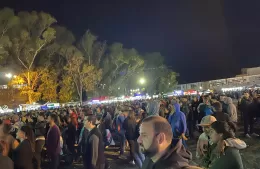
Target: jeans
x=122 y=142
x=55 y=161
x=248 y=120
x=135 y=153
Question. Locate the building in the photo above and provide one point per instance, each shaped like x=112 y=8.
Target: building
x=248 y=78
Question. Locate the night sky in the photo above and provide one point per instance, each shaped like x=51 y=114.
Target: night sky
x=200 y=39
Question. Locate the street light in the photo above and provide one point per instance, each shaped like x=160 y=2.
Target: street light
x=9 y=75
x=142 y=81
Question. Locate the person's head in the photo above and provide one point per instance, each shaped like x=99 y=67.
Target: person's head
x=206 y=99
x=222 y=130
x=53 y=119
x=171 y=108
x=131 y=114
x=40 y=118
x=206 y=124
x=15 y=118
x=195 y=99
x=246 y=95
x=155 y=135
x=184 y=99
x=98 y=110
x=222 y=98
x=217 y=107
x=90 y=122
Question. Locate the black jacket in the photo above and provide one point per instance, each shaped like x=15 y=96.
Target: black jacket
x=221 y=116
x=91 y=161
x=23 y=156
x=130 y=128
x=177 y=157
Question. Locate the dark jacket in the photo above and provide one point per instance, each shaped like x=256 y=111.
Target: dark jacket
x=23 y=156
x=177 y=157
x=40 y=129
x=83 y=142
x=221 y=116
x=244 y=106
x=53 y=141
x=253 y=109
x=231 y=160
x=94 y=150
x=6 y=162
x=129 y=126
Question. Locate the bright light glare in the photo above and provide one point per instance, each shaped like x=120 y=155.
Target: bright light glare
x=142 y=81
x=9 y=75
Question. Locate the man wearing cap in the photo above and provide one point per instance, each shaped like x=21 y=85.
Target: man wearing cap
x=204 y=143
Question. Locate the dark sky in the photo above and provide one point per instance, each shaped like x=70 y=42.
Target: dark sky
x=200 y=39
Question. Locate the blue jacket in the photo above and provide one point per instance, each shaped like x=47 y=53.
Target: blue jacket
x=177 y=121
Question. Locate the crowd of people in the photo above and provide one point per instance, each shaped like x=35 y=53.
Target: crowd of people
x=155 y=131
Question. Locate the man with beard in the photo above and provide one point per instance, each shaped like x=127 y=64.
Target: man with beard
x=156 y=143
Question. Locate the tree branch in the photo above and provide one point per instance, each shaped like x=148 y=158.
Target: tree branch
x=35 y=54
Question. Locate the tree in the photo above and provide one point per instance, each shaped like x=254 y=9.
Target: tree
x=66 y=89
x=31 y=36
x=167 y=82
x=85 y=76
x=8 y=20
x=48 y=86
x=30 y=91
x=92 y=49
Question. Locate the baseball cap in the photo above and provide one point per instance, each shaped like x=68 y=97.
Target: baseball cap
x=207 y=120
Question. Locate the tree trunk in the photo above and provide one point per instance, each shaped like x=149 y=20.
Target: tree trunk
x=29 y=87
x=80 y=96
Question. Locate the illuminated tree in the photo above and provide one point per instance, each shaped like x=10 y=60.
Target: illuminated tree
x=85 y=77
x=30 y=91
x=66 y=89
x=48 y=86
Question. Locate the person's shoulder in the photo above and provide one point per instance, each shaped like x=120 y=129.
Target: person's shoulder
x=6 y=162
x=231 y=151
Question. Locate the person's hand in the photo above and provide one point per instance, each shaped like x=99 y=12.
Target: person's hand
x=184 y=137
x=203 y=144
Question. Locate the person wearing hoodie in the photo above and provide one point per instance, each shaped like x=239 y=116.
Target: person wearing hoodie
x=156 y=142
x=231 y=109
x=226 y=154
x=177 y=120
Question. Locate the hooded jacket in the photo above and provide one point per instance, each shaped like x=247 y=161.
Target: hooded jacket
x=231 y=158
x=177 y=121
x=177 y=157
x=231 y=110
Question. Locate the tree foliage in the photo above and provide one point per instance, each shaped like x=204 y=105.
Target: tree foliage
x=52 y=65
x=85 y=76
x=48 y=86
x=66 y=89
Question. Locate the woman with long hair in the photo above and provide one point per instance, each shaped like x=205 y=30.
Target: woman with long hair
x=23 y=154
x=226 y=154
